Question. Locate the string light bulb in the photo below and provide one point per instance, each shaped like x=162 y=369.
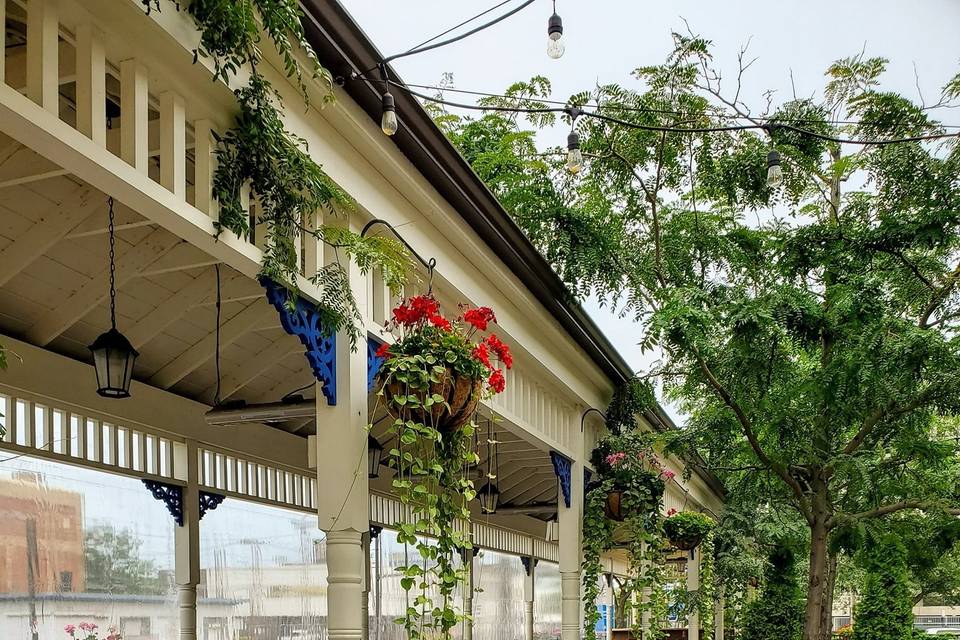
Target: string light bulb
x=574 y=155
x=388 y=121
x=555 y=44
x=774 y=172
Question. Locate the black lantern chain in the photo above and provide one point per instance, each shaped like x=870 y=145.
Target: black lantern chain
x=113 y=355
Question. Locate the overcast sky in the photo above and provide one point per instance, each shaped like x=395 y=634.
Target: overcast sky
x=607 y=39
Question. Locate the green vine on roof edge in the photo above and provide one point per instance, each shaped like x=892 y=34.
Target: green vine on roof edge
x=288 y=186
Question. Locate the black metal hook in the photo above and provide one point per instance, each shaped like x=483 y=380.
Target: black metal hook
x=583 y=418
x=429 y=265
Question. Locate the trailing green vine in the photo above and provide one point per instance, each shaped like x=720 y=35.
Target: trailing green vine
x=431 y=382
x=623 y=507
x=288 y=186
x=707 y=589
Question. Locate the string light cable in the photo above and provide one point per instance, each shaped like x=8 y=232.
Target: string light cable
x=767 y=127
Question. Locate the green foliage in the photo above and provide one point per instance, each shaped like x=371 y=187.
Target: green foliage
x=629 y=400
x=113 y=563
x=810 y=331
x=289 y=188
x=626 y=463
x=778 y=611
x=886 y=609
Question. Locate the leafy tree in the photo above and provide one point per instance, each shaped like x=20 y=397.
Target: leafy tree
x=808 y=330
x=114 y=565
x=886 y=611
x=778 y=611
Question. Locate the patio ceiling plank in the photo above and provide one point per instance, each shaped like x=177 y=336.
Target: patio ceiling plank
x=132 y=261
x=188 y=361
x=82 y=204
x=255 y=365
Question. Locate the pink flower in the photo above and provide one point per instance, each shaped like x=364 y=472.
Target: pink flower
x=615 y=458
x=70 y=629
x=671 y=512
x=669 y=475
x=88 y=626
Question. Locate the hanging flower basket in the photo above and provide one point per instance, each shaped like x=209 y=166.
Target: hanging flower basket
x=438 y=372
x=613 y=509
x=686 y=529
x=460 y=394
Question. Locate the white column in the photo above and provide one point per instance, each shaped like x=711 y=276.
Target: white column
x=468 y=555
x=205 y=167
x=693 y=584
x=528 y=598
x=134 y=124
x=187 y=542
x=365 y=605
x=571 y=530
x=91 y=84
x=43 y=47
x=173 y=140
x=610 y=602
x=718 y=615
x=343 y=498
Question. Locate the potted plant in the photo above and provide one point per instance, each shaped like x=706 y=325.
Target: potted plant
x=88 y=631
x=686 y=529
x=431 y=382
x=435 y=373
x=623 y=507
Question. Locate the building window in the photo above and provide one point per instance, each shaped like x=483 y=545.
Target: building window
x=66 y=581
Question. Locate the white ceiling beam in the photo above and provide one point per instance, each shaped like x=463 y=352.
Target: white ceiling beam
x=199 y=291
x=24 y=166
x=131 y=261
x=95 y=227
x=81 y=204
x=254 y=366
x=194 y=357
x=531 y=493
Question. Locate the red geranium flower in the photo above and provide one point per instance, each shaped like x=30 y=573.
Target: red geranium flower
x=425 y=306
x=480 y=353
x=497 y=382
x=480 y=317
x=501 y=349
x=383 y=351
x=440 y=322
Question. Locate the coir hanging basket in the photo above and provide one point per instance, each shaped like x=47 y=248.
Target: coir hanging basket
x=461 y=393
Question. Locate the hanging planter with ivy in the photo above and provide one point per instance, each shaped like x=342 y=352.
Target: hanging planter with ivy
x=685 y=530
x=623 y=508
x=430 y=383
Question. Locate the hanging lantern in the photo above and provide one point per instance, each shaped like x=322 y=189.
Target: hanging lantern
x=374 y=451
x=113 y=355
x=489 y=498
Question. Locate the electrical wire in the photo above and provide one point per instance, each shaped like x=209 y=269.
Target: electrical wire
x=216 y=393
x=620 y=107
x=576 y=111
x=436 y=45
x=455 y=27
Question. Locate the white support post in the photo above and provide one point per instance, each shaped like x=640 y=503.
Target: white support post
x=343 y=505
x=718 y=615
x=205 y=166
x=173 y=144
x=91 y=85
x=43 y=31
x=610 y=602
x=571 y=529
x=187 y=542
x=365 y=603
x=468 y=587
x=693 y=585
x=134 y=113
x=529 y=595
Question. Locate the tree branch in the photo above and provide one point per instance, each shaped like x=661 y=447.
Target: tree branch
x=891 y=410
x=939 y=297
x=903 y=505
x=751 y=435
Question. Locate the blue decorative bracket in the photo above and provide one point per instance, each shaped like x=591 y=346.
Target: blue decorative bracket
x=209 y=502
x=528 y=563
x=562 y=466
x=373 y=361
x=302 y=319
x=172 y=496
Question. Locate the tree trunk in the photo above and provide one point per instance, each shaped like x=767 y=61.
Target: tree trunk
x=816 y=577
x=826 y=609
